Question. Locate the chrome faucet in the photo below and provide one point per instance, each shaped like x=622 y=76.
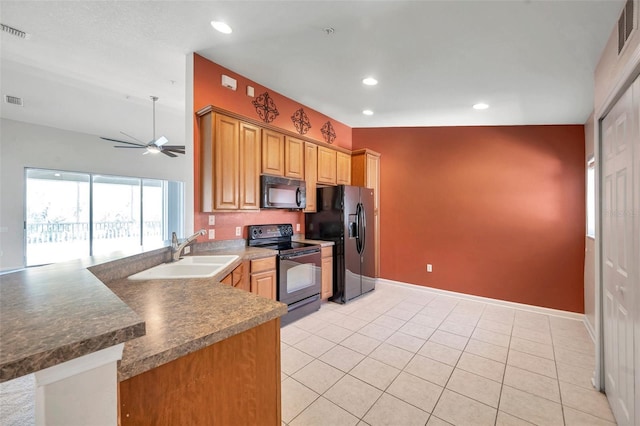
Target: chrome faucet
x=177 y=249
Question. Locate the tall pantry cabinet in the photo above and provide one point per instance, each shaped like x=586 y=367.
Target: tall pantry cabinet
x=365 y=171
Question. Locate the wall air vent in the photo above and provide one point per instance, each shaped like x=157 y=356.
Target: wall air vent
x=13 y=100
x=625 y=24
x=13 y=31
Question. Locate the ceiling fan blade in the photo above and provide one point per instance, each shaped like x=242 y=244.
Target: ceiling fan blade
x=160 y=141
x=173 y=147
x=119 y=141
x=130 y=147
x=132 y=137
x=170 y=154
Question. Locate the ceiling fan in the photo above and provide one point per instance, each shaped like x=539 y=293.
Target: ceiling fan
x=156 y=145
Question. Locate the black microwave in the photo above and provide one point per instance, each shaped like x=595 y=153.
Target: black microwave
x=282 y=193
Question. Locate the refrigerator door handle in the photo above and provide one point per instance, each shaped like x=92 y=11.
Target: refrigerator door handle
x=363 y=235
x=361 y=226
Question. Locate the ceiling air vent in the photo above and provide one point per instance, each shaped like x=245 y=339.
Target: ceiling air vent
x=13 y=31
x=625 y=24
x=13 y=100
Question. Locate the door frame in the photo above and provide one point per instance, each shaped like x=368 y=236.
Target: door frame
x=627 y=76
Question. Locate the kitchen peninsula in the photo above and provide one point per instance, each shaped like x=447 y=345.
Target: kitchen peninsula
x=205 y=343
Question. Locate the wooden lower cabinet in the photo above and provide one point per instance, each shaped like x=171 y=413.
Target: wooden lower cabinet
x=327 y=272
x=264 y=278
x=239 y=277
x=232 y=382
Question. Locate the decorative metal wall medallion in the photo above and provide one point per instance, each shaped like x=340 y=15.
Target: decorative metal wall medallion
x=265 y=107
x=328 y=133
x=301 y=121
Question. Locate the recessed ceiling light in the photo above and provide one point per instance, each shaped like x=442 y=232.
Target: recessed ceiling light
x=221 y=26
x=367 y=112
x=370 y=81
x=481 y=105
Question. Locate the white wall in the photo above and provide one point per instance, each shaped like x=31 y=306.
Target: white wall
x=28 y=145
x=590 y=257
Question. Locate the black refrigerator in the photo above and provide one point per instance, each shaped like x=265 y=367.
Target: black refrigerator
x=345 y=216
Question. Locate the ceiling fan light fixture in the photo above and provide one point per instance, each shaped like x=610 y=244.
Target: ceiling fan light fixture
x=153 y=149
x=222 y=27
x=480 y=106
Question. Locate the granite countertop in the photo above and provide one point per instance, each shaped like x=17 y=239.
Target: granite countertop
x=185 y=315
x=54 y=313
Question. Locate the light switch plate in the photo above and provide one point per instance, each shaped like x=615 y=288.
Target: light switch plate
x=238 y=231
x=187 y=250
x=212 y=220
x=297 y=227
x=429 y=267
x=212 y=234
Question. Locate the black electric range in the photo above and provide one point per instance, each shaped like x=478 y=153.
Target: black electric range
x=298 y=268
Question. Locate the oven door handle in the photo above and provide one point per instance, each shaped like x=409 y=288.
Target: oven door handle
x=299 y=254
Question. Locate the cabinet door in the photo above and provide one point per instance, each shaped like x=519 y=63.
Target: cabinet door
x=272 y=153
x=205 y=127
x=294 y=158
x=327 y=272
x=264 y=284
x=250 y=144
x=310 y=175
x=343 y=168
x=326 y=166
x=226 y=160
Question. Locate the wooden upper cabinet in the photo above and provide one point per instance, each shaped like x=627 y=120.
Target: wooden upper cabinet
x=272 y=153
x=230 y=163
x=310 y=174
x=343 y=168
x=326 y=165
x=226 y=160
x=250 y=150
x=294 y=158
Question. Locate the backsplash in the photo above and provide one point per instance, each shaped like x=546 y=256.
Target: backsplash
x=226 y=223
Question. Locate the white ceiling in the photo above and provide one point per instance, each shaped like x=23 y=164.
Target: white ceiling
x=91 y=66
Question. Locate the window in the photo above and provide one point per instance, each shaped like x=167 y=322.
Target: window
x=591 y=198
x=71 y=215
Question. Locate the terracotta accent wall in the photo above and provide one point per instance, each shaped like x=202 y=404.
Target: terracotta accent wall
x=498 y=211
x=208 y=90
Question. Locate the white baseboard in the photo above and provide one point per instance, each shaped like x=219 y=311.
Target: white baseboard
x=497 y=302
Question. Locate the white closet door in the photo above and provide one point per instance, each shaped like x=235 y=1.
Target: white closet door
x=619 y=259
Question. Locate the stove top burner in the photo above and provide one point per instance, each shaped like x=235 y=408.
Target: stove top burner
x=277 y=237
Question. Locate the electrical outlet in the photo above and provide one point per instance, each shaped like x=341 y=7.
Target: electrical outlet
x=238 y=231
x=297 y=227
x=429 y=267
x=212 y=234
x=212 y=220
x=187 y=250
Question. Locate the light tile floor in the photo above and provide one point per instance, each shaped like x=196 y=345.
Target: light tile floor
x=402 y=356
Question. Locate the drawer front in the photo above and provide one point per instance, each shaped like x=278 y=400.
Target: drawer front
x=260 y=265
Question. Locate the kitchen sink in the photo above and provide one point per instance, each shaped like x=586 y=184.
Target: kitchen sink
x=188 y=267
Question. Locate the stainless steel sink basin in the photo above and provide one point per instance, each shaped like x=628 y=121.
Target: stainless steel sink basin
x=188 y=267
